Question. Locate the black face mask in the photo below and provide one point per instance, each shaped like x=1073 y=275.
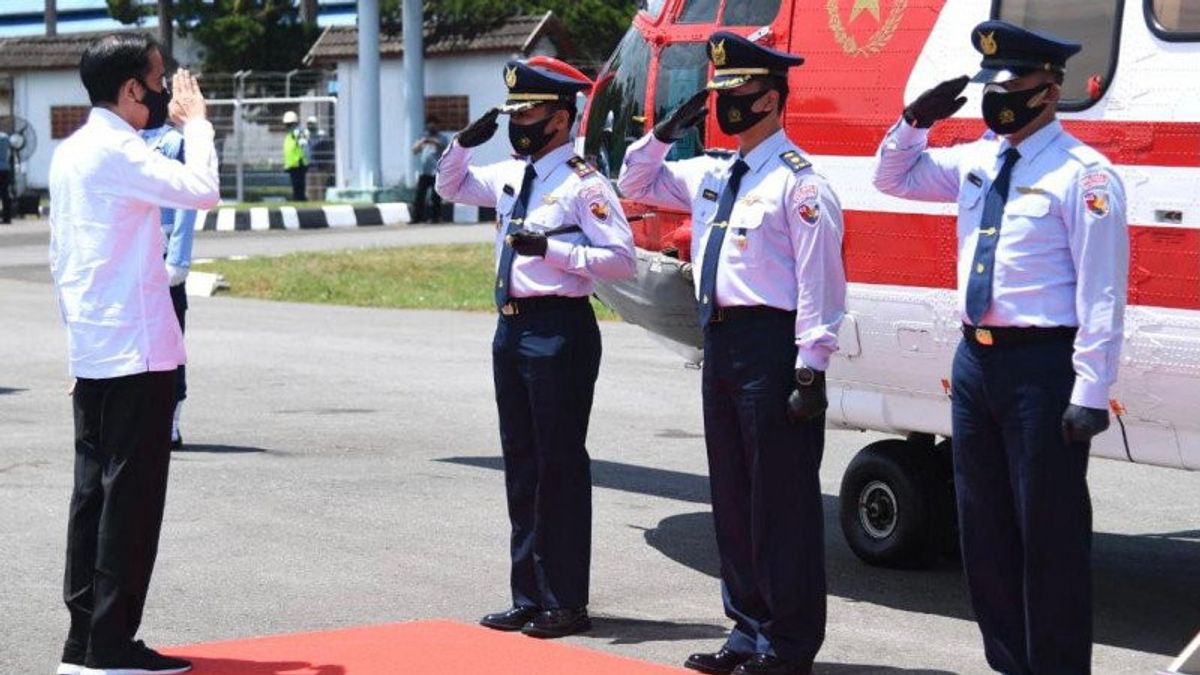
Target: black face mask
x=158 y=103
x=529 y=139
x=1007 y=112
x=734 y=114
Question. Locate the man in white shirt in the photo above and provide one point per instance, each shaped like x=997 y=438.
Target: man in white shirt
x=106 y=189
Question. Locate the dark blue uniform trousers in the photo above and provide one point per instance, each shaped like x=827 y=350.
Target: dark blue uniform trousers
x=766 y=491
x=1023 y=506
x=545 y=365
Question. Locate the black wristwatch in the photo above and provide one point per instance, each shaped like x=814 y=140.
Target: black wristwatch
x=805 y=377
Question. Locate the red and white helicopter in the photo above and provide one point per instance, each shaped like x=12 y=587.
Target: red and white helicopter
x=1132 y=93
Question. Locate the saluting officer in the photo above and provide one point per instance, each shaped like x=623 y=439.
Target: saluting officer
x=561 y=227
x=767 y=240
x=1043 y=259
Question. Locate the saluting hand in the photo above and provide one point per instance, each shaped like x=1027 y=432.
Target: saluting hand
x=807 y=400
x=480 y=130
x=937 y=104
x=676 y=125
x=187 y=103
x=1080 y=424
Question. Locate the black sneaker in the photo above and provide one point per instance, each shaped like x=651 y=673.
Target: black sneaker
x=138 y=659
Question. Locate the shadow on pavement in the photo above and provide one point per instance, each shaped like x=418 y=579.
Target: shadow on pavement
x=863 y=669
x=10 y=390
x=219 y=449
x=623 y=631
x=1145 y=594
x=207 y=666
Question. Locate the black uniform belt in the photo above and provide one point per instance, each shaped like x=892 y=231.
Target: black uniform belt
x=743 y=311
x=541 y=303
x=1007 y=336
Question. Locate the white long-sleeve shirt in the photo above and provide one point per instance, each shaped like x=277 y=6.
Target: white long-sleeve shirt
x=565 y=192
x=1063 y=254
x=106 y=242
x=786 y=246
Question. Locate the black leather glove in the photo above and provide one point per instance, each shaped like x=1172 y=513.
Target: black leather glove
x=1080 y=424
x=676 y=125
x=937 y=104
x=480 y=130
x=807 y=399
x=528 y=243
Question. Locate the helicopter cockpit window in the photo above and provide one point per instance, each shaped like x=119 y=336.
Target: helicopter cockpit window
x=750 y=13
x=682 y=71
x=652 y=7
x=698 y=11
x=617 y=114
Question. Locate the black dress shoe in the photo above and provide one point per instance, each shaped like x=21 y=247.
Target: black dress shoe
x=556 y=623
x=766 y=664
x=717 y=663
x=513 y=619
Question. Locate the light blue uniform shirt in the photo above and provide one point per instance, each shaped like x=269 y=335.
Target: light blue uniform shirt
x=178 y=225
x=5 y=152
x=784 y=247
x=1063 y=254
x=564 y=193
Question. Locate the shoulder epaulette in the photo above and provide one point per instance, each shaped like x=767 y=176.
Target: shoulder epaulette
x=1086 y=154
x=795 y=161
x=580 y=166
x=719 y=153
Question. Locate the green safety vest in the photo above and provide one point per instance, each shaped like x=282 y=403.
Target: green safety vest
x=293 y=154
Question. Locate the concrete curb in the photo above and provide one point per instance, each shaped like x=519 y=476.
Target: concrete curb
x=292 y=218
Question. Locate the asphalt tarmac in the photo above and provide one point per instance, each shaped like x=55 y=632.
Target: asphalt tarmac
x=343 y=469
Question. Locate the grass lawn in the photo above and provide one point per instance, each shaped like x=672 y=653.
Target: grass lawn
x=456 y=277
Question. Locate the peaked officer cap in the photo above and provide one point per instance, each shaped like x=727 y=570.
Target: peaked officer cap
x=738 y=60
x=541 y=80
x=1011 y=51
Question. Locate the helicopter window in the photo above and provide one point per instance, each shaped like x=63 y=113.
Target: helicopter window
x=1175 y=20
x=750 y=13
x=652 y=7
x=1096 y=24
x=617 y=114
x=682 y=71
x=698 y=11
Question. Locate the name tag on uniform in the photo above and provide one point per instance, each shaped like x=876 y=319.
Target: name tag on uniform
x=710 y=195
x=508 y=190
x=1031 y=191
x=975 y=180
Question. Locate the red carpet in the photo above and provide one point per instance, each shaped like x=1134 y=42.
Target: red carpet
x=418 y=648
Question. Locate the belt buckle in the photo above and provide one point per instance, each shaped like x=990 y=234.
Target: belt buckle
x=718 y=315
x=509 y=309
x=984 y=337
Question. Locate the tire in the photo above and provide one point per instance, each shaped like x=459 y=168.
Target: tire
x=892 y=505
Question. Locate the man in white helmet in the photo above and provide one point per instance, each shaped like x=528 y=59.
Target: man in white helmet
x=295 y=160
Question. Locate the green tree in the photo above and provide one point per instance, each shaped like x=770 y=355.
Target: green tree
x=236 y=34
x=593 y=26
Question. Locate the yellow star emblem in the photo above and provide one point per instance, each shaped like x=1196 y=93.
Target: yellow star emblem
x=871 y=6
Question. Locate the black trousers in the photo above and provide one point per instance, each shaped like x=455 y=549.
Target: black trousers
x=6 y=194
x=545 y=366
x=180 y=303
x=297 y=174
x=425 y=185
x=122 y=451
x=1025 y=515
x=766 y=491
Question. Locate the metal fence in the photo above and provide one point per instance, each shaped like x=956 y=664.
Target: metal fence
x=247 y=109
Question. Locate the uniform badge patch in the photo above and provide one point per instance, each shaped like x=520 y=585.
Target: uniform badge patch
x=810 y=211
x=806 y=201
x=599 y=210
x=1097 y=202
x=1094 y=180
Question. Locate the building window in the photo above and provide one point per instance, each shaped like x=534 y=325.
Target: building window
x=1176 y=20
x=452 y=112
x=1095 y=24
x=65 y=119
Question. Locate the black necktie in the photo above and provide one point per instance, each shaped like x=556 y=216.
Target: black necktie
x=515 y=222
x=712 y=250
x=979 y=284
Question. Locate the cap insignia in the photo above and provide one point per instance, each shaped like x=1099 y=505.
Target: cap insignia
x=987 y=43
x=510 y=77
x=718 y=53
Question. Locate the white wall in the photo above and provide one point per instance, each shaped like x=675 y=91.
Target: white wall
x=477 y=76
x=34 y=93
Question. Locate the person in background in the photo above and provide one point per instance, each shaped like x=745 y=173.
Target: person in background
x=6 y=176
x=179 y=227
x=123 y=340
x=429 y=148
x=295 y=159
